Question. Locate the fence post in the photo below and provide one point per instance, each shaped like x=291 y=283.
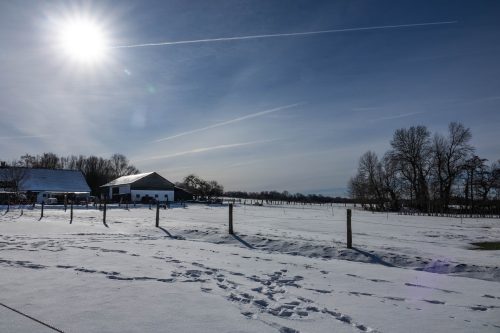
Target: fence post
x=231 y=219
x=41 y=213
x=71 y=213
x=157 y=214
x=349 y=230
x=104 y=213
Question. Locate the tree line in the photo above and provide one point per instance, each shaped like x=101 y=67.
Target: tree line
x=428 y=173
x=286 y=196
x=96 y=170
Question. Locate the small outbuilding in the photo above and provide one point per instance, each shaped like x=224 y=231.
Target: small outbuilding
x=142 y=187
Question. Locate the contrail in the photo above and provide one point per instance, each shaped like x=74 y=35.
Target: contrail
x=204 y=149
x=397 y=116
x=253 y=115
x=290 y=34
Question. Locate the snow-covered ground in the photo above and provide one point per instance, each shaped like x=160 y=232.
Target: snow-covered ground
x=279 y=273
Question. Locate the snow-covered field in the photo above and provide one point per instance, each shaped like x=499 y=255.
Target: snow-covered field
x=279 y=273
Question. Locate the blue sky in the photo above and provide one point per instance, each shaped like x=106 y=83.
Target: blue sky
x=286 y=113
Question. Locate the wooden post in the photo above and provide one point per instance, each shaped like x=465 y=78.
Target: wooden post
x=157 y=214
x=231 y=219
x=41 y=213
x=104 y=213
x=71 y=213
x=349 y=229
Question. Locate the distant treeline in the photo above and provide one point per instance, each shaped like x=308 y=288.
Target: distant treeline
x=97 y=170
x=286 y=196
x=431 y=174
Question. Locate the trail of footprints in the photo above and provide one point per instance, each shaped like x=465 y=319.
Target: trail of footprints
x=268 y=296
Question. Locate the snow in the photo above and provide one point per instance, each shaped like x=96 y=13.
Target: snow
x=285 y=270
x=125 y=180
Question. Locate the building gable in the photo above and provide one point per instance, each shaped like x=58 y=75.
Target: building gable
x=152 y=182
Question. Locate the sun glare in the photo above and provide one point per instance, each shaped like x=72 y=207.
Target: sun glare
x=83 y=41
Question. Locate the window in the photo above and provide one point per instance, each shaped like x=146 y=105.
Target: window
x=137 y=196
x=156 y=195
x=44 y=195
x=166 y=195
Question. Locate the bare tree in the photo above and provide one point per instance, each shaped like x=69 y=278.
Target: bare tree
x=472 y=168
x=47 y=161
x=495 y=176
x=449 y=157
x=392 y=183
x=12 y=178
x=357 y=189
x=121 y=167
x=28 y=160
x=370 y=170
x=410 y=151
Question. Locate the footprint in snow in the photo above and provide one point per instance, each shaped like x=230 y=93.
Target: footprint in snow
x=433 y=301
x=426 y=287
x=483 y=307
x=288 y=330
x=357 y=293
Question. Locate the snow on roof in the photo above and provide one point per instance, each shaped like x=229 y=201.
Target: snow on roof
x=125 y=180
x=51 y=180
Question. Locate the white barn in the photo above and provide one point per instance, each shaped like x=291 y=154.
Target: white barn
x=140 y=187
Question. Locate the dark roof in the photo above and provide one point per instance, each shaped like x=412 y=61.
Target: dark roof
x=51 y=180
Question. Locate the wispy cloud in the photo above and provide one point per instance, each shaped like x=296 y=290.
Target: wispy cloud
x=484 y=99
x=203 y=150
x=17 y=137
x=367 y=108
x=397 y=116
x=291 y=34
x=248 y=116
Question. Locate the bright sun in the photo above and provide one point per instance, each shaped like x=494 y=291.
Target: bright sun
x=83 y=41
